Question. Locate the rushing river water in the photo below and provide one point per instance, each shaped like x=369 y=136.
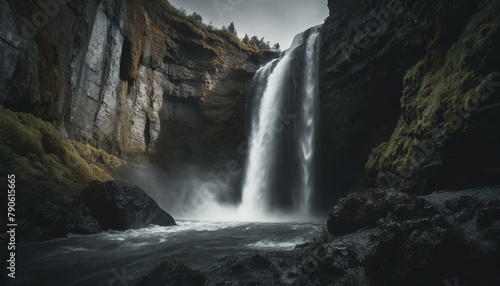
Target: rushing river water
x=114 y=258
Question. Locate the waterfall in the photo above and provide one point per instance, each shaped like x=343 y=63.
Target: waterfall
x=307 y=132
x=278 y=173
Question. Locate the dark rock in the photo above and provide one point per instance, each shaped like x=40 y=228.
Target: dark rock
x=173 y=274
x=259 y=261
x=306 y=244
x=359 y=211
x=375 y=107
x=459 y=204
x=45 y=215
x=361 y=81
x=488 y=215
x=63 y=215
x=245 y=270
x=237 y=268
x=119 y=205
x=116 y=205
x=349 y=216
x=427 y=251
x=429 y=248
x=447 y=135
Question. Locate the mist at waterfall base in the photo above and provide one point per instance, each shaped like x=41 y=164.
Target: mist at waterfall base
x=275 y=182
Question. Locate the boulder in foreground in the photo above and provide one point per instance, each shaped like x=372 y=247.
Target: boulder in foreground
x=119 y=205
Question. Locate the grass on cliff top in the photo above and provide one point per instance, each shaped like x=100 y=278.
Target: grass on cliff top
x=41 y=159
x=161 y=12
x=436 y=88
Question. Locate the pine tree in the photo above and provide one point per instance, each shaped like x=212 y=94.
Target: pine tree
x=263 y=45
x=277 y=47
x=254 y=41
x=232 y=29
x=246 y=39
x=197 y=17
x=182 y=11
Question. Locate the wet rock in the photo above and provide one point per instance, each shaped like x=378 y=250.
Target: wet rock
x=377 y=112
x=428 y=149
x=357 y=211
x=362 y=81
x=259 y=261
x=245 y=270
x=66 y=214
x=488 y=214
x=426 y=251
x=397 y=249
x=119 y=205
x=43 y=215
x=306 y=244
x=173 y=274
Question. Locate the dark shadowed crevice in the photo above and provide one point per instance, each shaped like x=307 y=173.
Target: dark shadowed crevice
x=147 y=131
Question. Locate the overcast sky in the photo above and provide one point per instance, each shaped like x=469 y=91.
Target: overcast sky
x=276 y=20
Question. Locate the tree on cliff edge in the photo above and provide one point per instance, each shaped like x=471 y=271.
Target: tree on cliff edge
x=197 y=17
x=232 y=29
x=277 y=47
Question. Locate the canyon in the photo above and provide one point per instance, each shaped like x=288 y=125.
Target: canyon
x=403 y=138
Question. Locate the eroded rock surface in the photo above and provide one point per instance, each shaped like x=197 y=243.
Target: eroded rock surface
x=128 y=77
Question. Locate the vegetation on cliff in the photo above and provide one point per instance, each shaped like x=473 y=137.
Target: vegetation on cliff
x=40 y=158
x=441 y=93
x=175 y=34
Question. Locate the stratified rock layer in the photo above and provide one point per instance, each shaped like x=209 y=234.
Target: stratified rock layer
x=129 y=77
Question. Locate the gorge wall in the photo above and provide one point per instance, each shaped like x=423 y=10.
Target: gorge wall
x=128 y=77
x=398 y=86
x=389 y=72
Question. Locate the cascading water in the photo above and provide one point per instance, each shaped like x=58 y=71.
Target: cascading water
x=279 y=167
x=310 y=108
x=261 y=143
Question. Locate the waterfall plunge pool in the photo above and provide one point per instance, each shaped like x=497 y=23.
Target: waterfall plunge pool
x=110 y=257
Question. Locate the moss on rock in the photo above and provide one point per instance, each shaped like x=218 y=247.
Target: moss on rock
x=442 y=91
x=37 y=154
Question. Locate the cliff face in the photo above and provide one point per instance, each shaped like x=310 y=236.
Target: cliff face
x=384 y=65
x=398 y=86
x=129 y=77
x=449 y=132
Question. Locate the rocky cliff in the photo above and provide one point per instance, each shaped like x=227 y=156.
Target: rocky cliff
x=396 y=80
x=87 y=84
x=128 y=77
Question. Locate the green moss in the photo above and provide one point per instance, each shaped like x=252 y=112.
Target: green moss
x=437 y=88
x=39 y=156
x=96 y=156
